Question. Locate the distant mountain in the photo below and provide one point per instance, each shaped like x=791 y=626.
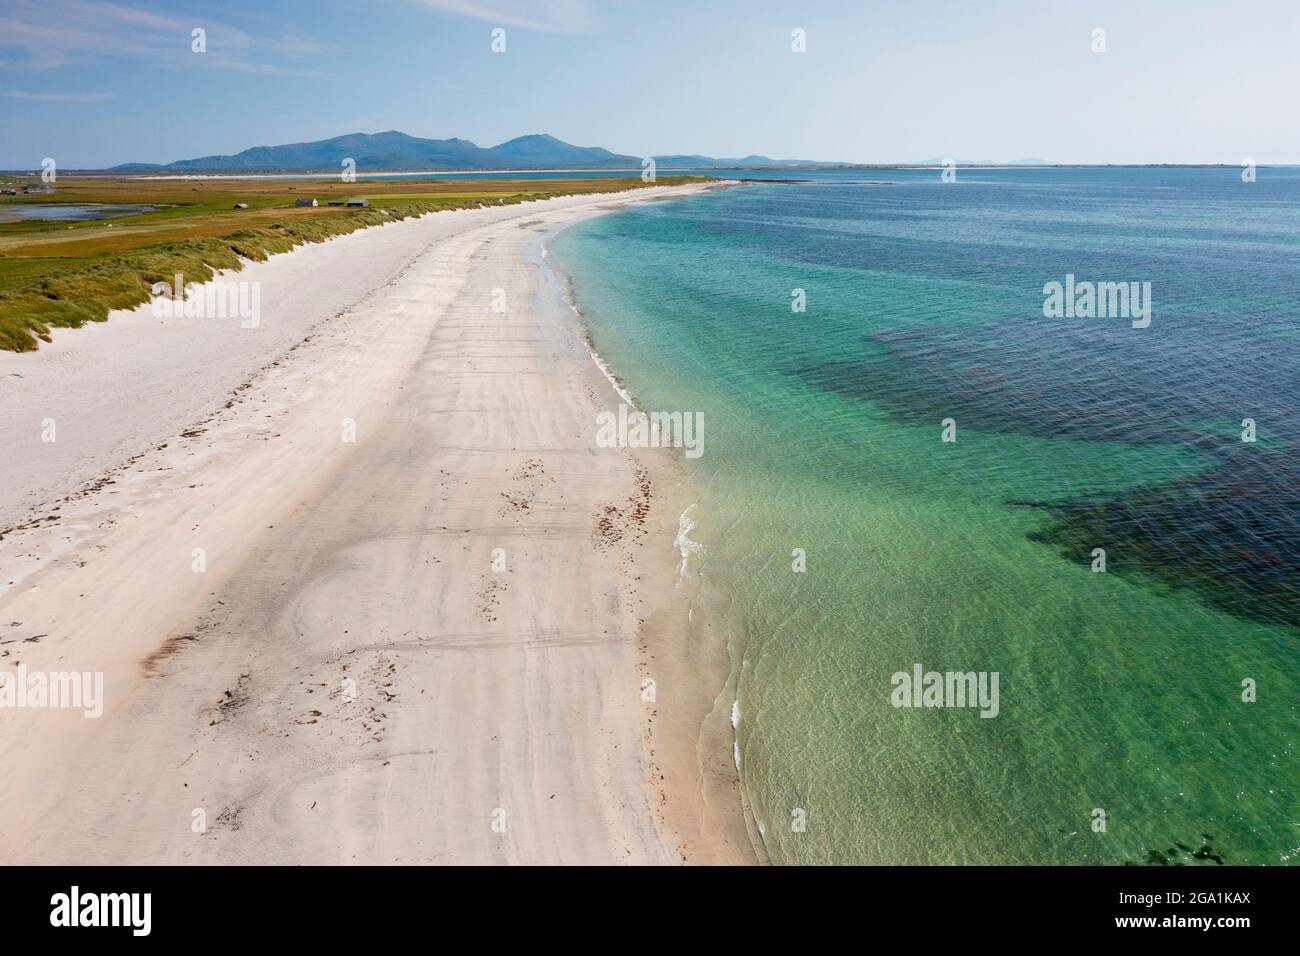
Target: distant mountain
x=397 y=151
x=390 y=150
x=380 y=152
x=541 y=149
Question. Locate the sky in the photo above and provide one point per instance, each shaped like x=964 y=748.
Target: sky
x=92 y=84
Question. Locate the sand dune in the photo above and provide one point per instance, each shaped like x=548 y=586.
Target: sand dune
x=347 y=578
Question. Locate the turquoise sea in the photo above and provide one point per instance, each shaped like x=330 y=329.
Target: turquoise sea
x=1121 y=691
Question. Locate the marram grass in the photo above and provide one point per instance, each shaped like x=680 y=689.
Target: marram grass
x=40 y=291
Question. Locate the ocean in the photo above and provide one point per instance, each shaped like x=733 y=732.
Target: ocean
x=1113 y=535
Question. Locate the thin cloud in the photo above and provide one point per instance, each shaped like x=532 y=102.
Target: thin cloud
x=257 y=69
x=59 y=97
x=549 y=16
x=54 y=33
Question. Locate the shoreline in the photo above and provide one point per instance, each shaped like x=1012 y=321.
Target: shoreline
x=465 y=422
x=689 y=739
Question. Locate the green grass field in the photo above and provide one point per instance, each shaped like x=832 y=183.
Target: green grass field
x=60 y=273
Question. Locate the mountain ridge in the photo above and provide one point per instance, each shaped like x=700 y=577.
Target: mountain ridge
x=393 y=150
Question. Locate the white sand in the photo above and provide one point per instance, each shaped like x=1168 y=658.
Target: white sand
x=349 y=680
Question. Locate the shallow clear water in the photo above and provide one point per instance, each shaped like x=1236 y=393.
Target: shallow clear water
x=1119 y=691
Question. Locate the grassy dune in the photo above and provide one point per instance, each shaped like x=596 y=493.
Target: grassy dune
x=69 y=273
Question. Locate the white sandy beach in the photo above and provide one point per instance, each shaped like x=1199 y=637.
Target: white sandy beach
x=305 y=644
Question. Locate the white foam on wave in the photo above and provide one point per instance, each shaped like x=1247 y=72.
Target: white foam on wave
x=685 y=546
x=735 y=725
x=566 y=293
x=609 y=376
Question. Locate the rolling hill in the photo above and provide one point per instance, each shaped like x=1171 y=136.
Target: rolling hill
x=393 y=150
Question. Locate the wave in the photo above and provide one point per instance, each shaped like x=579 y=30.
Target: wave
x=685 y=546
